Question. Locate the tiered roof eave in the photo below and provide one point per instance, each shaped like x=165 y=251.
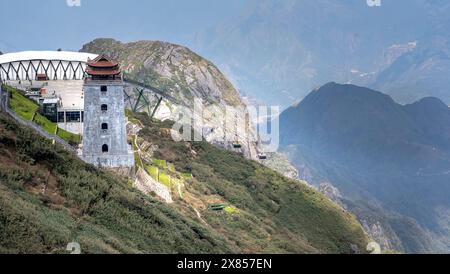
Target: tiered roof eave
x=103 y=66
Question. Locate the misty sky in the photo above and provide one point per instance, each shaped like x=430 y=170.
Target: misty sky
x=52 y=24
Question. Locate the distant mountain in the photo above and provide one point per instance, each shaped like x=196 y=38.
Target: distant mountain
x=377 y=152
x=432 y=116
x=277 y=51
x=421 y=72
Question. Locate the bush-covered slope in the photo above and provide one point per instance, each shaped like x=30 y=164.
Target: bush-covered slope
x=49 y=198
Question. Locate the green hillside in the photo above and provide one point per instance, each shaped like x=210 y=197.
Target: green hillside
x=49 y=198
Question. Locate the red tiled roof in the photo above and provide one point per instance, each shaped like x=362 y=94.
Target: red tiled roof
x=102 y=72
x=102 y=66
x=103 y=59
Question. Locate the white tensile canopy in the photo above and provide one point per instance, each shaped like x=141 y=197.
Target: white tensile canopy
x=55 y=65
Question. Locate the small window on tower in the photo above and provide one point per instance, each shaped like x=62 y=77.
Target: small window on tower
x=103 y=88
x=104 y=107
x=104 y=126
x=105 y=148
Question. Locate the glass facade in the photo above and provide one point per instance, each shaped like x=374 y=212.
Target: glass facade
x=73 y=117
x=50 y=111
x=61 y=117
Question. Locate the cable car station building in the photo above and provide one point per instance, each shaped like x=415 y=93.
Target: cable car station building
x=50 y=76
x=82 y=92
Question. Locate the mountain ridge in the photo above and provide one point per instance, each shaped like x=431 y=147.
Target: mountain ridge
x=279 y=51
x=374 y=149
x=172 y=68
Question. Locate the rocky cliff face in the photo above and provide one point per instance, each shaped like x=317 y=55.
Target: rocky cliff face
x=280 y=163
x=184 y=76
x=172 y=68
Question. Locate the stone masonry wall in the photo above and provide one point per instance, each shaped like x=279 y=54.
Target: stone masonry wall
x=115 y=137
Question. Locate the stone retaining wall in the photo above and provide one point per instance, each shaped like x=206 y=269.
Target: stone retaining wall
x=147 y=184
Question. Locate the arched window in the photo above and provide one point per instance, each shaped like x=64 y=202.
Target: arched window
x=104 y=126
x=105 y=148
x=104 y=107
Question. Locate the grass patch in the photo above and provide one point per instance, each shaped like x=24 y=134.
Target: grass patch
x=21 y=105
x=152 y=171
x=69 y=137
x=160 y=163
x=44 y=123
x=164 y=179
x=230 y=210
x=187 y=176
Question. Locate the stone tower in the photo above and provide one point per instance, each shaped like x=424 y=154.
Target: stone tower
x=105 y=138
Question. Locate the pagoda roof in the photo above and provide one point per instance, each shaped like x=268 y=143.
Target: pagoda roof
x=102 y=66
x=102 y=72
x=102 y=61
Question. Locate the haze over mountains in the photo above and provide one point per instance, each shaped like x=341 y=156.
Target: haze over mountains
x=376 y=151
x=273 y=51
x=277 y=51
